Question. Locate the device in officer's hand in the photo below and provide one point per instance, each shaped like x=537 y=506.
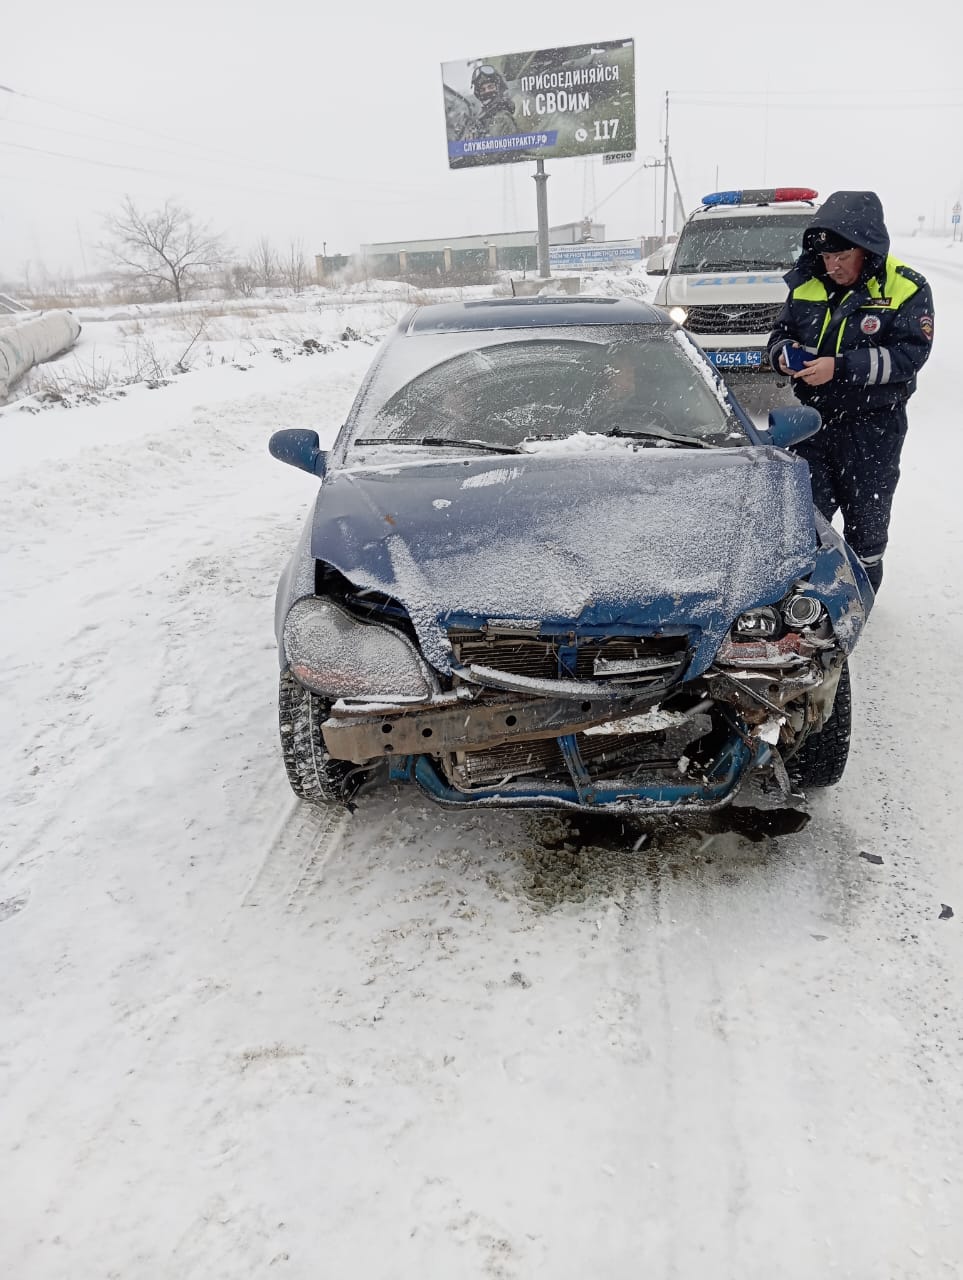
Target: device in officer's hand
x=796 y=357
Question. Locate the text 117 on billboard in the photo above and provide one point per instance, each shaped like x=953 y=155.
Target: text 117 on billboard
x=541 y=104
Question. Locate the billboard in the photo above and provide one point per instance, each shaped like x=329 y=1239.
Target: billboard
x=539 y=105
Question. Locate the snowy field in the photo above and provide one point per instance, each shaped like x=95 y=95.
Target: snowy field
x=238 y=1040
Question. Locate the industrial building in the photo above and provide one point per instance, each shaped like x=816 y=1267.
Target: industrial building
x=498 y=251
x=456 y=255
x=572 y=246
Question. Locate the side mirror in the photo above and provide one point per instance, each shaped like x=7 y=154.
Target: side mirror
x=299 y=448
x=657 y=263
x=789 y=426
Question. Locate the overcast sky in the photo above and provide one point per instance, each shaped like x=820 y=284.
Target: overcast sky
x=325 y=122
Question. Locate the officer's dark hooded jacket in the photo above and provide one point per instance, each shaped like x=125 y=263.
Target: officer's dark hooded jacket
x=881 y=328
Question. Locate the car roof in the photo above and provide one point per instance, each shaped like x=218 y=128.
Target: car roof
x=528 y=313
x=778 y=207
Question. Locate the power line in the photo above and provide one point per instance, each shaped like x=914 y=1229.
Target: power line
x=192 y=178
x=861 y=105
x=110 y=142
x=133 y=168
x=64 y=155
x=231 y=157
x=590 y=213
x=804 y=93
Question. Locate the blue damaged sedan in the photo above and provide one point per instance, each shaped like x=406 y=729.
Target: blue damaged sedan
x=552 y=564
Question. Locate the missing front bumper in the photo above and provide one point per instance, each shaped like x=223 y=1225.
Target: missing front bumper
x=463 y=727
x=490 y=747
x=712 y=791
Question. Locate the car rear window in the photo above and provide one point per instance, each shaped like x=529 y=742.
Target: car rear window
x=506 y=387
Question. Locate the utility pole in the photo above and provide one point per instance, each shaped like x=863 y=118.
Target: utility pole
x=665 y=170
x=650 y=162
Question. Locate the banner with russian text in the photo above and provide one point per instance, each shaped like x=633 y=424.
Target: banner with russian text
x=576 y=101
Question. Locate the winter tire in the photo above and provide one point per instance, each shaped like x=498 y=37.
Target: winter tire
x=821 y=760
x=313 y=774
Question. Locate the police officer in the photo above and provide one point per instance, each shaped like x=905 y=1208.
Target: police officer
x=865 y=320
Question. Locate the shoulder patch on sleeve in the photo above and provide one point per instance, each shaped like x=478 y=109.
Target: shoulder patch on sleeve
x=926 y=324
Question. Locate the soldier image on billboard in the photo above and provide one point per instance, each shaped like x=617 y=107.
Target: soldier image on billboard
x=479 y=103
x=496 y=117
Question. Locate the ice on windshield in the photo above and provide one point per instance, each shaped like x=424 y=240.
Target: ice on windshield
x=740 y=244
x=505 y=389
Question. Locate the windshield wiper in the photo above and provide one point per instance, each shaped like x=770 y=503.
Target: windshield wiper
x=442 y=442
x=740 y=264
x=651 y=434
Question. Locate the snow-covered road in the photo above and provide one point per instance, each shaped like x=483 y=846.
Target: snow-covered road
x=238 y=1040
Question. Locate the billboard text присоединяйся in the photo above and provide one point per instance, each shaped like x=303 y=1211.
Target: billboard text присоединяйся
x=547 y=103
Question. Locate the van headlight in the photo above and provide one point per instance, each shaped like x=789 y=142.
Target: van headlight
x=332 y=652
x=678 y=314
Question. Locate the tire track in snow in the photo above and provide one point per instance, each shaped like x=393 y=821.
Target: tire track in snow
x=293 y=866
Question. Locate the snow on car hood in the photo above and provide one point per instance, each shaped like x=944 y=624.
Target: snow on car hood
x=660 y=538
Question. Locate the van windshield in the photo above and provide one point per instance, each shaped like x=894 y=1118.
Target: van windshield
x=736 y=243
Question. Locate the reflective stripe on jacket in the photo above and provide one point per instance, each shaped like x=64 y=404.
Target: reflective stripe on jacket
x=880 y=336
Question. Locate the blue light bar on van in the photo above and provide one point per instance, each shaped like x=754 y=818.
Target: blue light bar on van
x=766 y=195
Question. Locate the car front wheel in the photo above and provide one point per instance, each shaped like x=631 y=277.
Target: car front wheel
x=821 y=760
x=313 y=774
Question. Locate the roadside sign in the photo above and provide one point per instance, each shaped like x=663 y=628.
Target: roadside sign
x=618 y=157
x=603 y=254
x=541 y=104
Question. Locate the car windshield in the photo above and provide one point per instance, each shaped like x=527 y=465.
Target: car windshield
x=506 y=389
x=734 y=243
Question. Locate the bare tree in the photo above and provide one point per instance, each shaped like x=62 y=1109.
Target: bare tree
x=165 y=249
x=294 y=267
x=239 y=281
x=264 y=263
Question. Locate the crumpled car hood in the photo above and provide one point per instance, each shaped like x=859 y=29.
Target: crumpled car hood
x=654 y=538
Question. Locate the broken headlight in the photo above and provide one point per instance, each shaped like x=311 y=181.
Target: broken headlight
x=332 y=652
x=797 y=611
x=757 y=624
x=802 y=611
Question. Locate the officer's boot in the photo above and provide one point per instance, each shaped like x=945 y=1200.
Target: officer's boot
x=874 y=569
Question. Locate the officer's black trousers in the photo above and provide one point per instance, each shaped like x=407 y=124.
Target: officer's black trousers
x=854 y=461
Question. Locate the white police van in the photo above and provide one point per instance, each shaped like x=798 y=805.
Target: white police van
x=724 y=276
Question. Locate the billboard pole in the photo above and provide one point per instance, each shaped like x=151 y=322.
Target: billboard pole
x=541 y=200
